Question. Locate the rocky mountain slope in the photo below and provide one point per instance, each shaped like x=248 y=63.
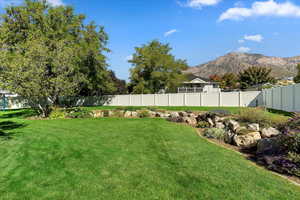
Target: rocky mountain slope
x=236 y=62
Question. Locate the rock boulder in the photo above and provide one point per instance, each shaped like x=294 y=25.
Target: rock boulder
x=247 y=141
x=269 y=132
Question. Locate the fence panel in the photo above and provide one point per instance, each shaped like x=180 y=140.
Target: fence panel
x=230 y=99
x=283 y=98
x=211 y=99
x=226 y=99
x=297 y=97
x=193 y=99
x=277 y=98
x=177 y=99
x=148 y=100
x=287 y=98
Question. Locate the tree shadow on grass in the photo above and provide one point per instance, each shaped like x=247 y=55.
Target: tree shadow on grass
x=7 y=127
x=24 y=113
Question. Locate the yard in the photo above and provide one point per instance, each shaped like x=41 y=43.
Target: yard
x=113 y=158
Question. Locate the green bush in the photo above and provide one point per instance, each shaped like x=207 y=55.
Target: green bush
x=203 y=124
x=215 y=133
x=260 y=116
x=58 y=113
x=78 y=113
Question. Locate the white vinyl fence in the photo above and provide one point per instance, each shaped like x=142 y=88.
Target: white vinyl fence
x=283 y=98
x=226 y=99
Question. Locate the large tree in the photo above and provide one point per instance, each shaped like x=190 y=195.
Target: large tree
x=155 y=68
x=255 y=76
x=120 y=85
x=229 y=81
x=48 y=52
x=297 y=78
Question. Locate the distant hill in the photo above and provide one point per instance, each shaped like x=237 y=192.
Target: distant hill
x=236 y=62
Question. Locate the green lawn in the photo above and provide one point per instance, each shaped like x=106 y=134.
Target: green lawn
x=124 y=159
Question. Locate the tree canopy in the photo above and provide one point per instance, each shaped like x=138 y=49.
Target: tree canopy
x=255 y=76
x=155 y=68
x=48 y=52
x=297 y=78
x=228 y=81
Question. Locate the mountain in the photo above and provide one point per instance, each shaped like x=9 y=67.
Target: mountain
x=237 y=62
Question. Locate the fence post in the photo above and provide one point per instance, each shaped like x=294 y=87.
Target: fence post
x=264 y=93
x=129 y=99
x=155 y=99
x=169 y=99
x=272 y=98
x=142 y=103
x=200 y=98
x=240 y=99
x=294 y=98
x=184 y=99
x=220 y=99
x=281 y=98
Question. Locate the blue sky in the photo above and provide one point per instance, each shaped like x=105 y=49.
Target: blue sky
x=198 y=30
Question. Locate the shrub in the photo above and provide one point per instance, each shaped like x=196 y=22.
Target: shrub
x=58 y=113
x=221 y=113
x=78 y=113
x=292 y=125
x=214 y=133
x=260 y=116
x=118 y=113
x=203 y=124
x=144 y=114
x=289 y=159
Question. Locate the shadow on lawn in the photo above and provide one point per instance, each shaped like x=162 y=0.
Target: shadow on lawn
x=6 y=128
x=18 y=114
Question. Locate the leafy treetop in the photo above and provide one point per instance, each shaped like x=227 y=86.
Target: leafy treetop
x=155 y=68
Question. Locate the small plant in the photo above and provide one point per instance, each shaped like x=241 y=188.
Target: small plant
x=203 y=124
x=144 y=114
x=58 y=113
x=243 y=132
x=221 y=113
x=78 y=113
x=118 y=113
x=260 y=116
x=215 y=133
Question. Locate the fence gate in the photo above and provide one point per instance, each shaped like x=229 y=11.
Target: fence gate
x=3 y=102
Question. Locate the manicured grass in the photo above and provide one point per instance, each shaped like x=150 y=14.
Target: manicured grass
x=125 y=159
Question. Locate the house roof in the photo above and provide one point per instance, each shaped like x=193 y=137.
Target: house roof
x=197 y=79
